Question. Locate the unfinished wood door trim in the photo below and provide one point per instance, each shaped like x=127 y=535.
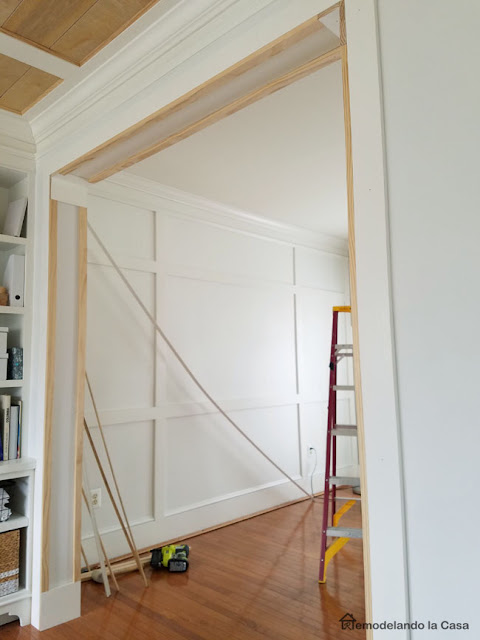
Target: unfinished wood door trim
x=49 y=392
x=270 y=50
x=339 y=53
x=356 y=351
x=301 y=72
x=80 y=389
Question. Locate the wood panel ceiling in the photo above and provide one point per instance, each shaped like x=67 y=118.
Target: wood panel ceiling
x=71 y=29
x=22 y=86
x=74 y=30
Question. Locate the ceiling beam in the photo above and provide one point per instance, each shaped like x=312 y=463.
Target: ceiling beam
x=29 y=54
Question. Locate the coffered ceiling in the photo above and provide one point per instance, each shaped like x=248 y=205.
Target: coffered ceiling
x=72 y=30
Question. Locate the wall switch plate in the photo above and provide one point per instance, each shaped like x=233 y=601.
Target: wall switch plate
x=96 y=497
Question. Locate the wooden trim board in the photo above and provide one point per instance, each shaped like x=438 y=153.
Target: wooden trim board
x=266 y=53
x=80 y=389
x=49 y=391
x=301 y=72
x=356 y=352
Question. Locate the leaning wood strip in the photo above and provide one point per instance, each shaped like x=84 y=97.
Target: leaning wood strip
x=102 y=546
x=117 y=489
x=85 y=559
x=244 y=101
x=343 y=30
x=80 y=388
x=130 y=541
x=271 y=49
x=49 y=392
x=122 y=562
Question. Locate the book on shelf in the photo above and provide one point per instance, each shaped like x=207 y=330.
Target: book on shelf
x=14 y=279
x=5 y=404
x=13 y=447
x=15 y=217
x=19 y=433
x=14 y=363
x=10 y=427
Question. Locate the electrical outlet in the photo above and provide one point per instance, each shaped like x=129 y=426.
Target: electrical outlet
x=96 y=497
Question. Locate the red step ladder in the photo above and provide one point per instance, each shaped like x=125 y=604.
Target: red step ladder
x=341 y=534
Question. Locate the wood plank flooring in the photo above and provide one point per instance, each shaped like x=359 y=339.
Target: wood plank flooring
x=253 y=580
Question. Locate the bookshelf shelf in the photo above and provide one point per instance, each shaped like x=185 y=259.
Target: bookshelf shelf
x=12 y=310
x=21 y=594
x=17 y=467
x=16 y=521
x=10 y=384
x=8 y=243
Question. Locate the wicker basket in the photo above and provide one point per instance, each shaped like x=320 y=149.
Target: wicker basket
x=9 y=562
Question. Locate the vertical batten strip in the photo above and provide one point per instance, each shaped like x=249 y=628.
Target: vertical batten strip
x=80 y=389
x=49 y=392
x=356 y=352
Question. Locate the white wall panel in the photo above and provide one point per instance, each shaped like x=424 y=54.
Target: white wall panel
x=320 y=269
x=120 y=353
x=257 y=340
x=238 y=340
x=128 y=230
x=314 y=326
x=131 y=447
x=196 y=245
x=213 y=461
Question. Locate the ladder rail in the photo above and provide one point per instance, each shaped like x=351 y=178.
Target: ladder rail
x=330 y=424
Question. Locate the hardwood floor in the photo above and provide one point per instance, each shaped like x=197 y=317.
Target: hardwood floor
x=254 y=580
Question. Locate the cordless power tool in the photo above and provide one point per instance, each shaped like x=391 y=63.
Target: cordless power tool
x=173 y=557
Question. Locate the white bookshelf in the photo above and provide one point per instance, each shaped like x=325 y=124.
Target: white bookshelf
x=19 y=473
x=16 y=521
x=12 y=311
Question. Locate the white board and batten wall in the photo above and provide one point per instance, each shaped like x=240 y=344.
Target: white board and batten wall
x=247 y=303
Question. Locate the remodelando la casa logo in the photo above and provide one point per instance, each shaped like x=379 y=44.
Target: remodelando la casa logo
x=348 y=622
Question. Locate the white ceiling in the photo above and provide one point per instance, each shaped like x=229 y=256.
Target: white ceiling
x=281 y=158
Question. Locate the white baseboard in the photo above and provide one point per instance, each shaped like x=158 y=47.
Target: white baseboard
x=58 y=606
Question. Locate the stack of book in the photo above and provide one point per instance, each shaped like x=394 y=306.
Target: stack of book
x=10 y=427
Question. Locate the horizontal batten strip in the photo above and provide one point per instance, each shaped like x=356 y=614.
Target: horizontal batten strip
x=172 y=410
x=131 y=264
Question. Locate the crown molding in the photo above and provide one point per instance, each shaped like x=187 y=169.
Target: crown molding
x=181 y=30
x=142 y=192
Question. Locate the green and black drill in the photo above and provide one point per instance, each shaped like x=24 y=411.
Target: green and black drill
x=173 y=557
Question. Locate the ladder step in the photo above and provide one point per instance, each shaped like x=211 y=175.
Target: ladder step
x=344 y=387
x=344 y=346
x=357 y=498
x=344 y=532
x=344 y=431
x=353 y=482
